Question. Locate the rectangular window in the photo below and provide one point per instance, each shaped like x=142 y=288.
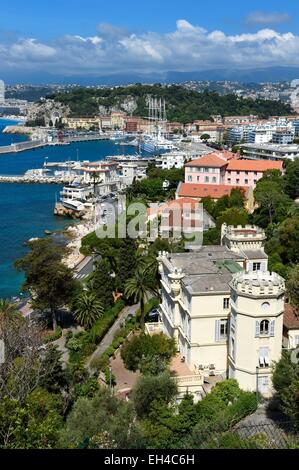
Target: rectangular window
x=256 y=266
x=207 y=179
x=190 y=178
x=237 y=181
x=297 y=340
x=226 y=303
x=214 y=179
x=229 y=180
x=221 y=330
x=198 y=178
x=246 y=181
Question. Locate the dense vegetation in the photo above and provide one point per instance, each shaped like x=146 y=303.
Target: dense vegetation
x=182 y=105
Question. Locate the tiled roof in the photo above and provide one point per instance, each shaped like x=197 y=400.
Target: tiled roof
x=253 y=165
x=212 y=160
x=206 y=190
x=290 y=319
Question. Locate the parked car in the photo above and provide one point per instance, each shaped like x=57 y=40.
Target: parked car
x=153 y=316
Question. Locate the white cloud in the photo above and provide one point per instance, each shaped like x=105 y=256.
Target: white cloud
x=264 y=18
x=114 y=50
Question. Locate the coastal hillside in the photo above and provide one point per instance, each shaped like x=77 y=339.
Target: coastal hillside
x=182 y=105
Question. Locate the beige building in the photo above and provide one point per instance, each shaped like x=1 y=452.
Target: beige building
x=82 y=123
x=224 y=311
x=118 y=120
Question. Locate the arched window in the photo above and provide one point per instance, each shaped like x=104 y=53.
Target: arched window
x=265 y=327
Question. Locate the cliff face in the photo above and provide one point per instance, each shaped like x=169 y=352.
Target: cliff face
x=50 y=110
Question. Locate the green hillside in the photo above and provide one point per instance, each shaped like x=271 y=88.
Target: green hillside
x=182 y=105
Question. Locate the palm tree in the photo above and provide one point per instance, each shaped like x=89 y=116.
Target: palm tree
x=139 y=289
x=88 y=309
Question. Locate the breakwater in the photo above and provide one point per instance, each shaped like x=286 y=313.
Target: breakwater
x=38 y=179
x=22 y=146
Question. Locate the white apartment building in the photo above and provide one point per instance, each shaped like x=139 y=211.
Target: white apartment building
x=224 y=309
x=104 y=175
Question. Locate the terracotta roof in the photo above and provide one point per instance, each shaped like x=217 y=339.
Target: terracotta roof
x=176 y=202
x=212 y=160
x=290 y=319
x=206 y=190
x=253 y=165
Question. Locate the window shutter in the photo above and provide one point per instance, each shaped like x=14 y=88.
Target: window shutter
x=217 y=330
x=257 y=329
x=272 y=328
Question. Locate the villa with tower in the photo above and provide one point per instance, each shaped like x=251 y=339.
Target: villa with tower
x=225 y=309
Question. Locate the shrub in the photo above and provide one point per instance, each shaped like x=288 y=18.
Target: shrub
x=69 y=335
x=88 y=349
x=110 y=351
x=57 y=334
x=100 y=363
x=74 y=344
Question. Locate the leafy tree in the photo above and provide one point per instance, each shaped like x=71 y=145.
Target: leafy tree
x=87 y=309
x=293 y=286
x=153 y=389
x=148 y=353
x=36 y=425
x=54 y=379
x=139 y=289
x=50 y=282
x=292 y=179
x=289 y=239
x=286 y=383
x=269 y=196
x=205 y=137
x=233 y=216
x=103 y=413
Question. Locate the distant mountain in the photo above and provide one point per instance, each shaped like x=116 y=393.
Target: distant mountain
x=266 y=74
x=270 y=74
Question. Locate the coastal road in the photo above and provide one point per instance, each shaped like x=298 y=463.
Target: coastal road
x=85 y=267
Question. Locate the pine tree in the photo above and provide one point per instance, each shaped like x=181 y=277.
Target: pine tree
x=103 y=284
x=127 y=263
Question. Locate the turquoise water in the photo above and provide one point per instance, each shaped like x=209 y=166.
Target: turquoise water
x=27 y=210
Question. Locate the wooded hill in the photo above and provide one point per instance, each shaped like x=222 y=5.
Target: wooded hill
x=182 y=105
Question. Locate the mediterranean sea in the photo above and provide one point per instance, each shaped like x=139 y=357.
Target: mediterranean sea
x=26 y=211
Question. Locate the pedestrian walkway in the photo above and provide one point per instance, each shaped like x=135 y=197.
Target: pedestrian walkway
x=107 y=340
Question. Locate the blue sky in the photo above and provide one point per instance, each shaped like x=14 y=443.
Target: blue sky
x=95 y=37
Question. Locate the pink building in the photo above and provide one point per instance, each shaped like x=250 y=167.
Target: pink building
x=248 y=172
x=217 y=169
x=209 y=169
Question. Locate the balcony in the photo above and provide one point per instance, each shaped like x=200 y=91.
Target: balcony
x=153 y=328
